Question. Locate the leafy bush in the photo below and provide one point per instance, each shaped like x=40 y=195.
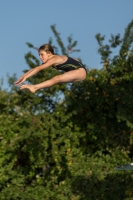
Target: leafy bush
x=64 y=142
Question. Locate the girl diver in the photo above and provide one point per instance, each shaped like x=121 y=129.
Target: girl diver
x=74 y=69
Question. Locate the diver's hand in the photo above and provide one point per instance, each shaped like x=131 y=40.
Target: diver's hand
x=20 y=80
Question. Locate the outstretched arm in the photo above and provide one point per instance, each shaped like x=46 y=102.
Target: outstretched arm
x=33 y=72
x=27 y=75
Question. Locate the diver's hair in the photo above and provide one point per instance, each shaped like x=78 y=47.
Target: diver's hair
x=47 y=48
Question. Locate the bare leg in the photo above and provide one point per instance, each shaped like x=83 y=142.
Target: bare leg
x=68 y=77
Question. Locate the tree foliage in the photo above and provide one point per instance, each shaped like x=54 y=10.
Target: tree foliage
x=64 y=142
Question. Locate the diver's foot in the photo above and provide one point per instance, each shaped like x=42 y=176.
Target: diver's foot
x=29 y=87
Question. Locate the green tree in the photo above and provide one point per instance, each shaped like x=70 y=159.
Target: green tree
x=66 y=148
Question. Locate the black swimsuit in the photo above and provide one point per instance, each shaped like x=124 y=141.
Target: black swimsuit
x=70 y=64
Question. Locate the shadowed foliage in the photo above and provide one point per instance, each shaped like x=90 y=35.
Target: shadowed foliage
x=64 y=142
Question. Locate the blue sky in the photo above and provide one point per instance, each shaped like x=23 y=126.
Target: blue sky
x=30 y=21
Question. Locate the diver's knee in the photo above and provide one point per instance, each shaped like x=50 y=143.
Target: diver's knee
x=57 y=79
